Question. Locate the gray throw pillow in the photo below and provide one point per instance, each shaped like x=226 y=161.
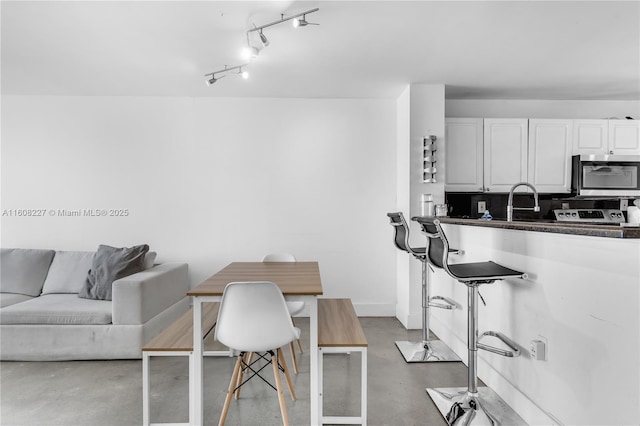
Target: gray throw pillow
x=110 y=264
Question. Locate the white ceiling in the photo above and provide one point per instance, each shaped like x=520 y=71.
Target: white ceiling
x=362 y=49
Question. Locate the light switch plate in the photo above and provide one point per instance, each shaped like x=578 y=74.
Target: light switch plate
x=482 y=206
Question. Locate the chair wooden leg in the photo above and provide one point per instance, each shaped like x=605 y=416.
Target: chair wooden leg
x=294 y=360
x=247 y=356
x=276 y=374
x=286 y=374
x=232 y=385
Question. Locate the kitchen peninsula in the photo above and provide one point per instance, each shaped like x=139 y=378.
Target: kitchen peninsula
x=581 y=299
x=608 y=231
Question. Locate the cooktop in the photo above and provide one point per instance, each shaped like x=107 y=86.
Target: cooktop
x=601 y=216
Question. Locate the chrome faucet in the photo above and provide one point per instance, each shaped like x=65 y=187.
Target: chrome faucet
x=510 y=208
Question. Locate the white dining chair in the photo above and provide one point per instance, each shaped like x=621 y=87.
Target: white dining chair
x=253 y=318
x=295 y=307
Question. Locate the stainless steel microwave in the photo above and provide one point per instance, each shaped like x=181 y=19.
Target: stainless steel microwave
x=606 y=175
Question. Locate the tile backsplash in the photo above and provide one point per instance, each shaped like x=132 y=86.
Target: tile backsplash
x=466 y=204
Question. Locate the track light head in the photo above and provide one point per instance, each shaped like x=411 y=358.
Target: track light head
x=250 y=52
x=300 y=22
x=243 y=74
x=263 y=39
x=213 y=79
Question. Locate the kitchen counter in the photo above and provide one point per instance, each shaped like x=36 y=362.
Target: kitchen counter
x=581 y=297
x=608 y=231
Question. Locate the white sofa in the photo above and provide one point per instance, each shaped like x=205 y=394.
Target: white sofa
x=43 y=319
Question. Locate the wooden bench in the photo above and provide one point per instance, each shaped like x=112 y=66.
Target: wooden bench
x=339 y=331
x=176 y=340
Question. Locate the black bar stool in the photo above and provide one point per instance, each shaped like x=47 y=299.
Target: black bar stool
x=473 y=405
x=427 y=350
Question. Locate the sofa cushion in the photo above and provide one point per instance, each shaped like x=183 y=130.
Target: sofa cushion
x=24 y=270
x=110 y=264
x=68 y=272
x=58 y=309
x=7 y=299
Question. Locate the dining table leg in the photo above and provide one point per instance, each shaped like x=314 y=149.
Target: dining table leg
x=313 y=349
x=196 y=400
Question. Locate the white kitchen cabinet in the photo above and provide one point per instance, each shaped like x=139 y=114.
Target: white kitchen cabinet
x=590 y=137
x=549 y=157
x=624 y=137
x=464 y=155
x=606 y=137
x=505 y=153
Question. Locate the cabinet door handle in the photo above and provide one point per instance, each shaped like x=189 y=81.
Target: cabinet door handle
x=611 y=152
x=487 y=189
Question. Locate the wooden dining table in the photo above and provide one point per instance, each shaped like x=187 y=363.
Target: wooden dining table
x=296 y=280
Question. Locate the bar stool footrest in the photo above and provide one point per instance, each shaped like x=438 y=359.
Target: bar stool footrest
x=445 y=304
x=514 y=352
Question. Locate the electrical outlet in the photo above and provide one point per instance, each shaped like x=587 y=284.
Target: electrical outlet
x=538 y=349
x=624 y=204
x=482 y=206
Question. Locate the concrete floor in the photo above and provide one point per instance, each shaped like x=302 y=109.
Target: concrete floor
x=109 y=393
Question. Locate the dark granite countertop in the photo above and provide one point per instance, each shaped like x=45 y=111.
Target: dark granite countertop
x=608 y=231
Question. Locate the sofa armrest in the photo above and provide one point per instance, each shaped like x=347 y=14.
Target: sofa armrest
x=139 y=297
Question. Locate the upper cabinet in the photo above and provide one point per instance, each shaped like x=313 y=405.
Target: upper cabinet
x=505 y=153
x=493 y=154
x=549 y=159
x=602 y=137
x=463 y=155
x=590 y=137
x=624 y=137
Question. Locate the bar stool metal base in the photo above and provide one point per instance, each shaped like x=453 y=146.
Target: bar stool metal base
x=431 y=351
x=460 y=408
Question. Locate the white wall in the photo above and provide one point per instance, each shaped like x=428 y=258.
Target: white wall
x=210 y=181
x=426 y=117
x=403 y=260
x=503 y=108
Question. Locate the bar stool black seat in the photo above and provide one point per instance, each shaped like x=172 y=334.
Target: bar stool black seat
x=426 y=350
x=471 y=405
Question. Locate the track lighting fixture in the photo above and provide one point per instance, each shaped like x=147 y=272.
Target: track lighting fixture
x=251 y=51
x=212 y=78
x=297 y=22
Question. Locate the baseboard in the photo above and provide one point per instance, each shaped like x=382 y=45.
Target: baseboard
x=517 y=400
